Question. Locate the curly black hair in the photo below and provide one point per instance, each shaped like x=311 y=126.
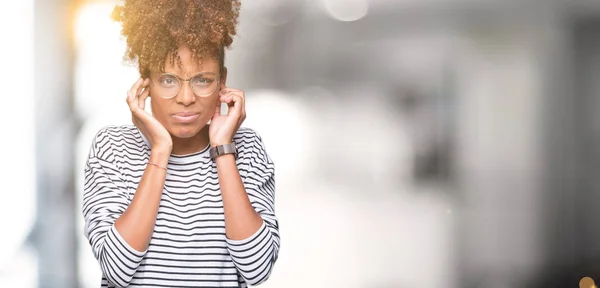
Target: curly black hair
x=155 y=29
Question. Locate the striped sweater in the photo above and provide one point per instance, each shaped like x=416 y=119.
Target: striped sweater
x=188 y=247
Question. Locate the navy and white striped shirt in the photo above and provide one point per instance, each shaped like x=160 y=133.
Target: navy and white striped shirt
x=188 y=246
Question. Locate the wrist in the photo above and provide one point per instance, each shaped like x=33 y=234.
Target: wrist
x=224 y=158
x=221 y=150
x=162 y=146
x=165 y=148
x=219 y=143
x=160 y=156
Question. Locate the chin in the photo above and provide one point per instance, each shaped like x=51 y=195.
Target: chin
x=185 y=131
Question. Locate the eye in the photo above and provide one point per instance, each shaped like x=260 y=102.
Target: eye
x=202 y=81
x=167 y=81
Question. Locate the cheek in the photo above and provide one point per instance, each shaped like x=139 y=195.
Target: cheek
x=158 y=111
x=211 y=101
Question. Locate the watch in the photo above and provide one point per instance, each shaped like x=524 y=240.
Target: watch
x=222 y=150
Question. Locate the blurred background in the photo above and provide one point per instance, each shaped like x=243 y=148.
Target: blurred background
x=418 y=143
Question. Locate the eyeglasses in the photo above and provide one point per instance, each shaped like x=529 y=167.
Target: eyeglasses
x=202 y=84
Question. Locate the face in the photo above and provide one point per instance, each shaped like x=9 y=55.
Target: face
x=186 y=113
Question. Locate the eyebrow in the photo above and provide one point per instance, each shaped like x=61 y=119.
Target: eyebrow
x=194 y=74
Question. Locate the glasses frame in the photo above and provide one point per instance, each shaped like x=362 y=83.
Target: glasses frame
x=181 y=80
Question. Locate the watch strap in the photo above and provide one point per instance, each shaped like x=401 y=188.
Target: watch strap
x=222 y=150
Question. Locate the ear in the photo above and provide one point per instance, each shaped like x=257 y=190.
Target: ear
x=223 y=80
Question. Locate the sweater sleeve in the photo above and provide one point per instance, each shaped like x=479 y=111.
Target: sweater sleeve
x=104 y=200
x=255 y=256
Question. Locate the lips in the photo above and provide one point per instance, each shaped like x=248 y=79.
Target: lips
x=185 y=117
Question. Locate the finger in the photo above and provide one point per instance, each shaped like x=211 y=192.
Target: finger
x=223 y=93
x=136 y=85
x=231 y=121
x=236 y=107
x=132 y=95
x=140 y=88
x=142 y=98
x=145 y=86
x=241 y=118
x=238 y=103
x=131 y=101
x=242 y=99
x=218 y=109
x=143 y=95
x=231 y=97
x=227 y=91
x=226 y=99
x=230 y=101
x=242 y=108
x=235 y=100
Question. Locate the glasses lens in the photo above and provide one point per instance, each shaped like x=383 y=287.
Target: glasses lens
x=203 y=84
x=167 y=86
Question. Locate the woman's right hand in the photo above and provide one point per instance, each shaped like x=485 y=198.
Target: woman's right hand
x=154 y=131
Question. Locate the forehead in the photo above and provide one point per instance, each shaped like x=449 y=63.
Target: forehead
x=189 y=65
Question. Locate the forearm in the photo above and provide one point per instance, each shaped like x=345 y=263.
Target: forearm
x=136 y=224
x=241 y=220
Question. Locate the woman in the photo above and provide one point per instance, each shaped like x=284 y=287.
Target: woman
x=184 y=197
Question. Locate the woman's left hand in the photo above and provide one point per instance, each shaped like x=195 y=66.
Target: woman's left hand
x=223 y=127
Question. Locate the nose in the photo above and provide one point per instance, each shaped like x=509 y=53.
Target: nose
x=185 y=96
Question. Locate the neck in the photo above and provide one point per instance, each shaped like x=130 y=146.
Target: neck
x=184 y=146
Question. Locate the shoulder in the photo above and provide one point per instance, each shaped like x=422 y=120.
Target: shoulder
x=246 y=134
x=249 y=141
x=109 y=136
x=114 y=132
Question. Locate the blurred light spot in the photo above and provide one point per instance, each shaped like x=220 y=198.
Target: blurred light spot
x=93 y=24
x=101 y=78
x=449 y=211
x=587 y=282
x=346 y=10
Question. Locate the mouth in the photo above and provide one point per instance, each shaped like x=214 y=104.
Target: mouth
x=185 y=117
